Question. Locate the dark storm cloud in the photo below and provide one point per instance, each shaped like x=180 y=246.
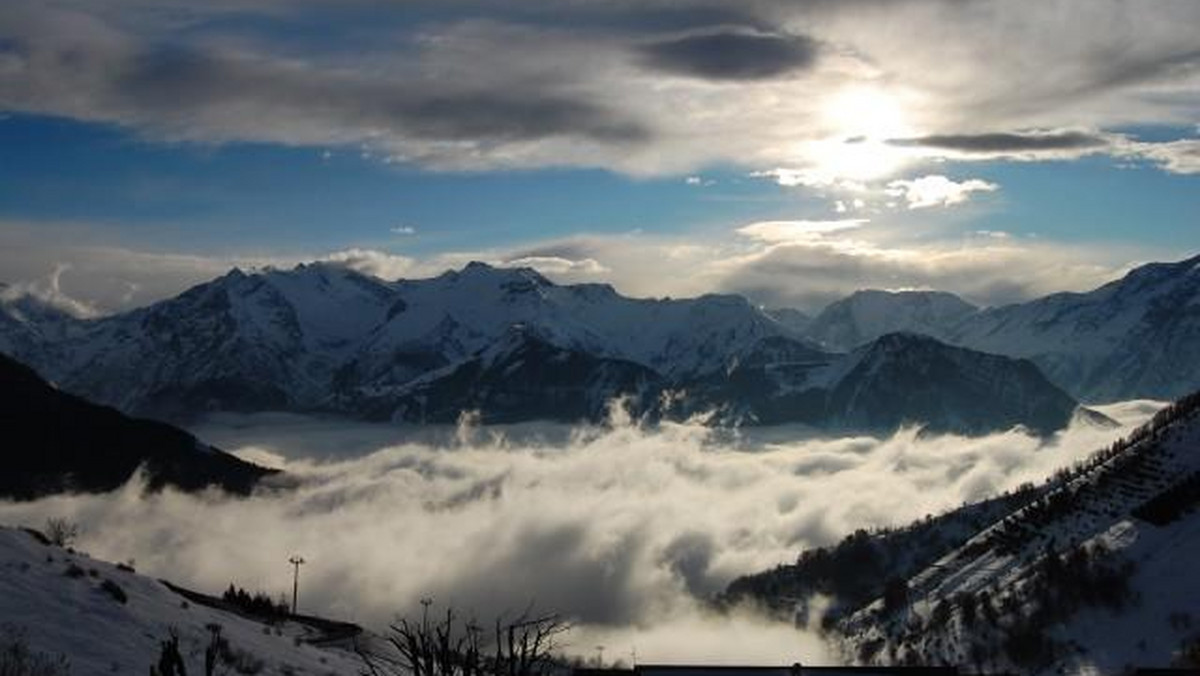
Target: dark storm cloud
x=184 y=82
x=731 y=55
x=1006 y=142
x=67 y=63
x=1114 y=68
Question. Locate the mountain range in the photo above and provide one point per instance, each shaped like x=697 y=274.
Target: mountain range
x=1132 y=338
x=510 y=345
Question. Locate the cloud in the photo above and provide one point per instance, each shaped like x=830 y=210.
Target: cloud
x=935 y=190
x=75 y=63
x=1002 y=143
x=49 y=291
x=776 y=232
x=1180 y=156
x=371 y=262
x=731 y=55
x=558 y=265
x=599 y=523
x=813 y=177
x=801 y=263
x=403 y=230
x=75 y=263
x=1177 y=157
x=983 y=270
x=452 y=91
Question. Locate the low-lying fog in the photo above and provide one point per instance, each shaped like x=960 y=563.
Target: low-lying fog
x=619 y=527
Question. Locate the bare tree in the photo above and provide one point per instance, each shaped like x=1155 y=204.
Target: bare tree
x=451 y=646
x=61 y=532
x=526 y=645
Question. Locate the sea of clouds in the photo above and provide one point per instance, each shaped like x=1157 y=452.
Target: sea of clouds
x=621 y=527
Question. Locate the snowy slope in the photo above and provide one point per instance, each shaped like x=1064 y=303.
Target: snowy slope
x=1134 y=337
x=63 y=613
x=1096 y=573
x=30 y=328
x=234 y=340
x=19 y=339
x=791 y=318
x=866 y=315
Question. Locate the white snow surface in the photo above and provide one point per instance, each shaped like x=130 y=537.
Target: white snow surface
x=72 y=616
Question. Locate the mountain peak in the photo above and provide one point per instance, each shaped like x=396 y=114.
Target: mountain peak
x=480 y=270
x=899 y=376
x=1155 y=272
x=906 y=294
x=902 y=339
x=870 y=313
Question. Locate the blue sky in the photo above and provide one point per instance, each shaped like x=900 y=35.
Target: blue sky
x=213 y=198
x=996 y=149
x=266 y=197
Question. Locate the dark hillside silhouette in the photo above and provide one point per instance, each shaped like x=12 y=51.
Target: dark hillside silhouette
x=54 y=442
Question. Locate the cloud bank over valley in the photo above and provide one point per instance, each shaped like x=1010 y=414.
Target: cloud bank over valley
x=624 y=528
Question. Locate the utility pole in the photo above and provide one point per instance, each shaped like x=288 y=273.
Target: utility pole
x=425 y=603
x=296 y=561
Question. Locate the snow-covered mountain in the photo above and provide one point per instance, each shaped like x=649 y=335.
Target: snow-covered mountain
x=791 y=318
x=320 y=335
x=1134 y=337
x=1090 y=572
x=105 y=618
x=866 y=315
x=906 y=377
x=512 y=345
x=1131 y=338
x=520 y=377
x=896 y=379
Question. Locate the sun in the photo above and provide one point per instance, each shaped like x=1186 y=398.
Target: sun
x=858 y=122
x=865 y=113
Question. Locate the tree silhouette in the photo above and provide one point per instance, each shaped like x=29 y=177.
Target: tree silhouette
x=452 y=646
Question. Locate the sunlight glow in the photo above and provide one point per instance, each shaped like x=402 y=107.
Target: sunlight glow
x=861 y=120
x=861 y=114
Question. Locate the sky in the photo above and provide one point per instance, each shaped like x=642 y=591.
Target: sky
x=790 y=151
